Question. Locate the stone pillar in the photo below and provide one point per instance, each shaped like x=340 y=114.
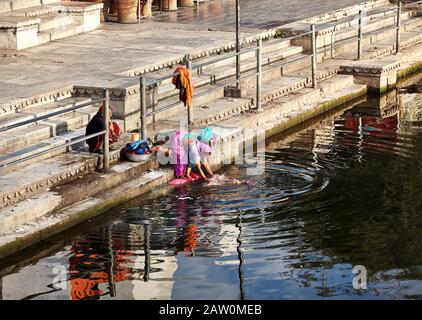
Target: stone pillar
x=185 y=3
x=124 y=99
x=379 y=76
x=170 y=5
x=147 y=8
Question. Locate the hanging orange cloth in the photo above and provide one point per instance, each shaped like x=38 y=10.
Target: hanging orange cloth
x=183 y=82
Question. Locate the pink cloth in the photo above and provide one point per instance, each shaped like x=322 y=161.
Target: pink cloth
x=178 y=154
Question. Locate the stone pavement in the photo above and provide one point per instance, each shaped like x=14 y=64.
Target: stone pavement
x=116 y=48
x=110 y=50
x=256 y=14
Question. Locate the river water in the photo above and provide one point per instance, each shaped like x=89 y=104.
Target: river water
x=341 y=191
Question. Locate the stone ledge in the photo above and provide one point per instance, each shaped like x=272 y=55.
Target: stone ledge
x=22 y=103
x=369 y=67
x=80 y=7
x=17 y=22
x=120 y=87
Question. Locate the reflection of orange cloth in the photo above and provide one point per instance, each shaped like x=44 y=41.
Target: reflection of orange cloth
x=183 y=82
x=190 y=242
x=83 y=289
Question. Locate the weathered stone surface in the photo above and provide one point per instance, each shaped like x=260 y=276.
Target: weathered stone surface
x=378 y=75
x=19 y=31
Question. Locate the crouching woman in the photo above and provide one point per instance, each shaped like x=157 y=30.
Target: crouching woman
x=97 y=124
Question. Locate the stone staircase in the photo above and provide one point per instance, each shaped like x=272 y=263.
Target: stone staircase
x=29 y=23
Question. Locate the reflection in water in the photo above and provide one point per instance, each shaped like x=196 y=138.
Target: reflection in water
x=346 y=191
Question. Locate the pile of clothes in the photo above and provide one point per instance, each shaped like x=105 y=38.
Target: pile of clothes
x=139 y=147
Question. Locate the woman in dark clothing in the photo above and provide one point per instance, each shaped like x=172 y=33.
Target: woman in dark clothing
x=97 y=125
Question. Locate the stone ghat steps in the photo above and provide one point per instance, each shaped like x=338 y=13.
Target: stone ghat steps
x=14 y=139
x=34 y=23
x=279 y=50
x=167 y=94
x=33 y=11
x=20 y=202
x=225 y=108
x=52 y=21
x=60 y=32
x=376 y=35
x=31 y=154
x=26 y=227
x=370 y=23
x=283 y=51
x=282 y=112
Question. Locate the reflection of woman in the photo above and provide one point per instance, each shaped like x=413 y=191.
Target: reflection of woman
x=97 y=125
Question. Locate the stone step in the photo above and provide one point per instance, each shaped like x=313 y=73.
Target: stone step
x=224 y=108
x=14 y=139
x=35 y=99
x=34 y=11
x=32 y=154
x=38 y=110
x=53 y=21
x=59 y=32
x=380 y=23
x=229 y=69
x=22 y=4
x=54 y=171
x=126 y=180
x=269 y=47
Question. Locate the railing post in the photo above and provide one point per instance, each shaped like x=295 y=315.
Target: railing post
x=398 y=27
x=360 y=35
x=238 y=43
x=314 y=56
x=143 y=92
x=190 y=108
x=259 y=74
x=106 y=145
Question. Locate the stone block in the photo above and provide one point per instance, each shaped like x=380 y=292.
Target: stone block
x=233 y=92
x=379 y=76
x=18 y=33
x=185 y=3
x=124 y=98
x=84 y=14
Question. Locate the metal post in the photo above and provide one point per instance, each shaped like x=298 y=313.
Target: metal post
x=139 y=11
x=143 y=92
x=314 y=56
x=238 y=43
x=332 y=41
x=360 y=35
x=398 y=27
x=259 y=74
x=190 y=108
x=106 y=145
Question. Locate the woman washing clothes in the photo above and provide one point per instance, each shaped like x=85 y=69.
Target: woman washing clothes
x=97 y=124
x=194 y=157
